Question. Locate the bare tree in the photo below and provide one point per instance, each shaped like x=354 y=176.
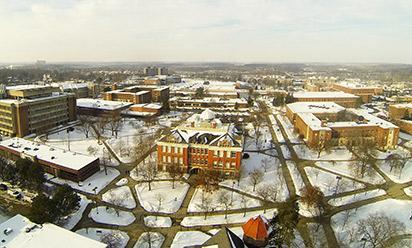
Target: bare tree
x=118 y=200
x=115 y=124
x=323 y=145
x=365 y=158
x=101 y=125
x=149 y=238
x=379 y=230
x=159 y=199
x=149 y=173
x=175 y=172
x=86 y=123
x=255 y=177
x=347 y=215
x=312 y=197
x=265 y=164
x=112 y=240
x=225 y=200
x=264 y=194
x=256 y=128
x=243 y=202
x=206 y=205
x=92 y=150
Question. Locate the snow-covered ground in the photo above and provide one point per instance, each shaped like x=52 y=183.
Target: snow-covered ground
x=356 y=197
x=276 y=128
x=285 y=152
x=122 y=182
x=255 y=162
x=171 y=199
x=150 y=240
x=220 y=219
x=99 y=233
x=107 y=215
x=75 y=217
x=403 y=176
x=121 y=196
x=399 y=150
x=157 y=221
x=408 y=190
x=398 y=209
x=288 y=127
x=328 y=182
x=189 y=238
x=237 y=200
x=93 y=184
x=345 y=168
x=336 y=154
x=317 y=235
x=296 y=177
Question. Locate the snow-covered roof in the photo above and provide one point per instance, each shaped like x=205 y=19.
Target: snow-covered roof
x=315 y=107
x=356 y=85
x=402 y=105
x=20 y=232
x=323 y=94
x=101 y=104
x=26 y=87
x=207 y=115
x=373 y=119
x=148 y=105
x=312 y=121
x=68 y=159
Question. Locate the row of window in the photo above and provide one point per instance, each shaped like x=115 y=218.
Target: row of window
x=170 y=159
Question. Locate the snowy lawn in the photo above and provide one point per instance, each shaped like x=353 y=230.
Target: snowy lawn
x=338 y=153
x=150 y=240
x=408 y=190
x=288 y=127
x=189 y=238
x=109 y=216
x=345 y=168
x=285 y=152
x=398 y=209
x=276 y=128
x=99 y=233
x=255 y=162
x=328 y=183
x=296 y=177
x=121 y=196
x=157 y=221
x=220 y=219
x=399 y=150
x=170 y=199
x=122 y=182
x=356 y=197
x=403 y=176
x=317 y=235
x=74 y=218
x=273 y=178
x=93 y=184
x=237 y=200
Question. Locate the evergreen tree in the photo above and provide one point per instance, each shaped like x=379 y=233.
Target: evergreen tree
x=284 y=224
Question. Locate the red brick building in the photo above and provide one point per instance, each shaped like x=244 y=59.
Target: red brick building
x=203 y=143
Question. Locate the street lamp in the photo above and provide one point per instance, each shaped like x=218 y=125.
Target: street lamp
x=233 y=187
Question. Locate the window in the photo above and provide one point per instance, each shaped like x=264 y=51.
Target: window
x=233 y=154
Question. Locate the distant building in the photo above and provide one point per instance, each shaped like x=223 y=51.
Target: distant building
x=101 y=108
x=139 y=94
x=214 y=103
x=153 y=71
x=363 y=91
x=202 y=143
x=21 y=232
x=345 y=99
x=80 y=90
x=58 y=162
x=318 y=122
x=31 y=109
x=401 y=114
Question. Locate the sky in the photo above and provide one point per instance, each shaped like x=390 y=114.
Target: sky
x=243 y=31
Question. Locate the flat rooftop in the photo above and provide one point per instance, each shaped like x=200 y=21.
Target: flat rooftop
x=315 y=107
x=148 y=105
x=323 y=94
x=402 y=105
x=41 y=236
x=356 y=85
x=61 y=157
x=27 y=87
x=101 y=104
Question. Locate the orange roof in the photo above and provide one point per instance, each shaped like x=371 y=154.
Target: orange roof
x=256 y=228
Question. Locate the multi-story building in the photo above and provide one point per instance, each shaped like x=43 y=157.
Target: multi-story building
x=31 y=109
x=139 y=94
x=81 y=90
x=214 y=103
x=203 y=143
x=401 y=114
x=318 y=122
x=363 y=91
x=344 y=99
x=58 y=162
x=101 y=108
x=153 y=71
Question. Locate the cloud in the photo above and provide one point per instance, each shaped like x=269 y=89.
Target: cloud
x=206 y=30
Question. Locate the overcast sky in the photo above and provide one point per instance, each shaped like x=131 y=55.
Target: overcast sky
x=206 y=30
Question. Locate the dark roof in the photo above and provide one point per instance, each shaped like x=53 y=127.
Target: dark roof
x=225 y=239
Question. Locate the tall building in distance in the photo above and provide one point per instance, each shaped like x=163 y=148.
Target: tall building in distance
x=154 y=71
x=28 y=109
x=203 y=143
